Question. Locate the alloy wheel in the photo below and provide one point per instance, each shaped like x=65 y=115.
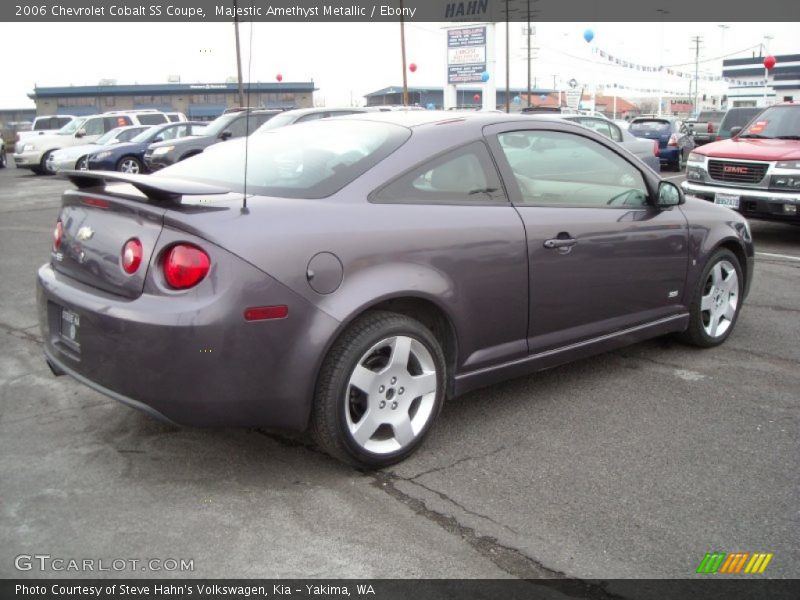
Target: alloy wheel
x=720 y=299
x=129 y=165
x=391 y=394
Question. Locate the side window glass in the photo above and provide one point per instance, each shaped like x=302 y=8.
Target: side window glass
x=465 y=175
x=599 y=126
x=239 y=126
x=563 y=169
x=94 y=127
x=125 y=136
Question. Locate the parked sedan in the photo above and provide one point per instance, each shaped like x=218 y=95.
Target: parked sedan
x=673 y=136
x=231 y=125
x=647 y=151
x=129 y=158
x=376 y=266
x=303 y=115
x=74 y=157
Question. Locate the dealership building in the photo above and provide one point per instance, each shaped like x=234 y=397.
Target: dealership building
x=198 y=101
x=747 y=89
x=465 y=96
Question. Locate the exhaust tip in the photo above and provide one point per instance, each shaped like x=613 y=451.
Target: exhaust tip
x=54 y=369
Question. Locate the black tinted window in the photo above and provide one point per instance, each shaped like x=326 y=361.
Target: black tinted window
x=311 y=160
x=738 y=117
x=151 y=118
x=463 y=175
x=656 y=125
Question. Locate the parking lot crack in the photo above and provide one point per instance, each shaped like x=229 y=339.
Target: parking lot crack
x=21 y=333
x=453 y=464
x=508 y=559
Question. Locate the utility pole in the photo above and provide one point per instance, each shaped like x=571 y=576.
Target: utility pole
x=528 y=32
x=508 y=63
x=403 y=52
x=238 y=51
x=767 y=40
x=696 y=39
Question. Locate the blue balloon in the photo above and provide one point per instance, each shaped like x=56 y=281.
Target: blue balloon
x=543 y=96
x=485 y=76
x=588 y=35
x=516 y=99
x=430 y=106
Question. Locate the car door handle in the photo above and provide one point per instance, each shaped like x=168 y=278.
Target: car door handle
x=560 y=243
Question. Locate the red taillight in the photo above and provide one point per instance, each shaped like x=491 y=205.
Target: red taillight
x=264 y=313
x=656 y=151
x=185 y=266
x=719 y=137
x=58 y=235
x=131 y=256
x=95 y=202
x=710 y=128
x=673 y=140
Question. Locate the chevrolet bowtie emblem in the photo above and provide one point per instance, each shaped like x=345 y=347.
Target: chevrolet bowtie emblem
x=85 y=233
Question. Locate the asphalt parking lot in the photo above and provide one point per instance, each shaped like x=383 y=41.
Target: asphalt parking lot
x=631 y=464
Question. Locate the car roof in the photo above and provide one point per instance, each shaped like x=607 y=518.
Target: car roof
x=421 y=118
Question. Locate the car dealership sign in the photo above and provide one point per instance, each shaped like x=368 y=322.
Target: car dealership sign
x=466 y=54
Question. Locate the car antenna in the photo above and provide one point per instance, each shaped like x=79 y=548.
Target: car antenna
x=247 y=116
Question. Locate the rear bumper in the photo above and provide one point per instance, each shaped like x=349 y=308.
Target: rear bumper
x=191 y=358
x=753 y=203
x=669 y=154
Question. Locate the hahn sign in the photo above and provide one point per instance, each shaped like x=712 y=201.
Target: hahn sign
x=466 y=54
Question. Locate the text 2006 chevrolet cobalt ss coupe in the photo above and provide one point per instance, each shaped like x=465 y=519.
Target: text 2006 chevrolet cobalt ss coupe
x=380 y=264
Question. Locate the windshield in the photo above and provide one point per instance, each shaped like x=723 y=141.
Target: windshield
x=108 y=137
x=650 y=125
x=310 y=160
x=778 y=122
x=219 y=124
x=146 y=135
x=71 y=127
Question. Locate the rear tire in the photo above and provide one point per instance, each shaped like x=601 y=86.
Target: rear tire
x=82 y=164
x=379 y=391
x=716 y=302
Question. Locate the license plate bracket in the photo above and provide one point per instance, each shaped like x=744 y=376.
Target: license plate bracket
x=729 y=200
x=70 y=329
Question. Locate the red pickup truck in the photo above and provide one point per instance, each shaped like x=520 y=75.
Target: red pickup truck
x=757 y=171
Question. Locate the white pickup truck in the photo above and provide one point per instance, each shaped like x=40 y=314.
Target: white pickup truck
x=43 y=126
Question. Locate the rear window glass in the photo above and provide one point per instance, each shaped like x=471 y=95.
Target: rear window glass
x=739 y=117
x=152 y=118
x=311 y=160
x=650 y=125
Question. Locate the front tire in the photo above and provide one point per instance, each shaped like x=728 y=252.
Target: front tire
x=46 y=166
x=716 y=302
x=379 y=391
x=129 y=164
x=3 y=159
x=82 y=164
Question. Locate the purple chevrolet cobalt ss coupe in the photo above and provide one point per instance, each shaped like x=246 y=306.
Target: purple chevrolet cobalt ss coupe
x=349 y=275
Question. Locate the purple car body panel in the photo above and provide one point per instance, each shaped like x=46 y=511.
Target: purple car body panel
x=514 y=306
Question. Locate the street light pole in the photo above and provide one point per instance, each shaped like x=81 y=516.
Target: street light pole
x=403 y=52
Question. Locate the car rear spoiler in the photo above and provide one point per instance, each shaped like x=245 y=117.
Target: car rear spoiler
x=159 y=189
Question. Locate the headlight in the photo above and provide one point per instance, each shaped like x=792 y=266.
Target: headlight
x=695 y=157
x=28 y=148
x=162 y=150
x=788 y=164
x=101 y=155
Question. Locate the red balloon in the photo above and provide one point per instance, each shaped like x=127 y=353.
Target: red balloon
x=412 y=67
x=769 y=62
x=477 y=97
x=279 y=77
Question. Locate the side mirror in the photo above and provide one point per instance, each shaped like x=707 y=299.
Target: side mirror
x=80 y=133
x=227 y=134
x=157 y=139
x=736 y=131
x=669 y=195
